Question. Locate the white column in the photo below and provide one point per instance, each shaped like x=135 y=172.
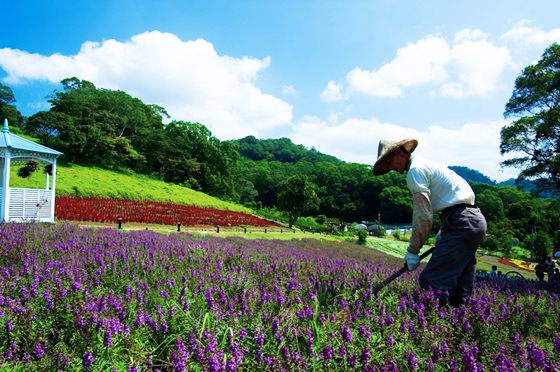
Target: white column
x=53 y=189
x=6 y=188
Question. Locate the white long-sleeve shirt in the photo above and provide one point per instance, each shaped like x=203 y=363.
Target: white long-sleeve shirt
x=434 y=187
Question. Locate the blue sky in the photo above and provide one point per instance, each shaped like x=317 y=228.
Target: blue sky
x=334 y=75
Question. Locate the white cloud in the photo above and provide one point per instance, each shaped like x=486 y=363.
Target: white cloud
x=474 y=145
x=528 y=35
x=289 y=90
x=470 y=65
x=332 y=93
x=415 y=64
x=478 y=64
x=188 y=78
x=469 y=34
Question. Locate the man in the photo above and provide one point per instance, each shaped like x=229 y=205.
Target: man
x=437 y=189
x=550 y=265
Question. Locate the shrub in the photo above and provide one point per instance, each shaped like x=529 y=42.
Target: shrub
x=362 y=237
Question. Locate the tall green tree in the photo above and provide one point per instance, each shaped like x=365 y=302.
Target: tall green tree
x=296 y=196
x=396 y=204
x=99 y=127
x=8 y=109
x=534 y=136
x=197 y=159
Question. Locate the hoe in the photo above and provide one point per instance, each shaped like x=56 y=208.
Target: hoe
x=398 y=273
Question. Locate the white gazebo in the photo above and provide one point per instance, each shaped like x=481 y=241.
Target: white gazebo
x=21 y=204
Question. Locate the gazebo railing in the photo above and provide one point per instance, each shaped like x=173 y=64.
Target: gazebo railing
x=31 y=205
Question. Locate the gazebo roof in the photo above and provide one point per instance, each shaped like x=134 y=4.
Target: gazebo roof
x=13 y=142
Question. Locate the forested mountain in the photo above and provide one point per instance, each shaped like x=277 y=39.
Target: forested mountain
x=282 y=150
x=471 y=175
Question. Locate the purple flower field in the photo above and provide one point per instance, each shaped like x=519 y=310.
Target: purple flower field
x=81 y=299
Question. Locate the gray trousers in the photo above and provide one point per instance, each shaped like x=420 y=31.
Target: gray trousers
x=452 y=265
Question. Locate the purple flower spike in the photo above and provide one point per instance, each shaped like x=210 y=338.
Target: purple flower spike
x=412 y=361
x=39 y=351
x=87 y=360
x=347 y=334
x=327 y=353
x=556 y=344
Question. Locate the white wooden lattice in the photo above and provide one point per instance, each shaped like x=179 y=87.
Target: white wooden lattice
x=30 y=204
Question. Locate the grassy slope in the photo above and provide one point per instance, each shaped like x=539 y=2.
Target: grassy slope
x=83 y=181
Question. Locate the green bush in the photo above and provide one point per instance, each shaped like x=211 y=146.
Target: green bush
x=310 y=224
x=362 y=237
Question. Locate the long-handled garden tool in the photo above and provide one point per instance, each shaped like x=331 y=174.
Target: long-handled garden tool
x=398 y=273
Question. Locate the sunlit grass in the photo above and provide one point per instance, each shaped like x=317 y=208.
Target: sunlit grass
x=83 y=181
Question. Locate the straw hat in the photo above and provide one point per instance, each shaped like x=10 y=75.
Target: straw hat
x=386 y=148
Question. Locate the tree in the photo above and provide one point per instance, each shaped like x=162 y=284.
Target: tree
x=534 y=137
x=7 y=108
x=199 y=160
x=540 y=245
x=296 y=196
x=396 y=204
x=491 y=205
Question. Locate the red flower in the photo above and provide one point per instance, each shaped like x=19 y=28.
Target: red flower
x=144 y=211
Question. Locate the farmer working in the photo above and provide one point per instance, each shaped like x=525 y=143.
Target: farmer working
x=437 y=189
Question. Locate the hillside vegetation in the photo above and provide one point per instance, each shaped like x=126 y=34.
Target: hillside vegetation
x=106 y=129
x=84 y=181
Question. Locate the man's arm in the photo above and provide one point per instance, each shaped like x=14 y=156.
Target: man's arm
x=422 y=218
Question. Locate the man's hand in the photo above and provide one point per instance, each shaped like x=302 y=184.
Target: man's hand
x=412 y=260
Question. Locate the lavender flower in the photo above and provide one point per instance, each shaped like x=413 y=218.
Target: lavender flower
x=39 y=350
x=347 y=334
x=412 y=360
x=327 y=353
x=179 y=356
x=87 y=360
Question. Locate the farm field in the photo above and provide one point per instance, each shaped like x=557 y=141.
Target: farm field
x=97 y=299
x=107 y=210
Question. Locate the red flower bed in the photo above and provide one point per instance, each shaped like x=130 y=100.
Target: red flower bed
x=144 y=211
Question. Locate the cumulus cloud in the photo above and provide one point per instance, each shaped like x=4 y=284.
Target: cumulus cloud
x=332 y=93
x=469 y=65
x=528 y=35
x=478 y=64
x=289 y=90
x=188 y=78
x=415 y=64
x=473 y=145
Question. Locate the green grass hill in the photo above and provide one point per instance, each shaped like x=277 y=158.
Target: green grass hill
x=84 y=181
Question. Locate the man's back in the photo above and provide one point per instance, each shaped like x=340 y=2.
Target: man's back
x=443 y=186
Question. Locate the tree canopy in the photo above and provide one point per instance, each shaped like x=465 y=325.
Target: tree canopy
x=534 y=137
x=297 y=195
x=8 y=109
x=113 y=130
